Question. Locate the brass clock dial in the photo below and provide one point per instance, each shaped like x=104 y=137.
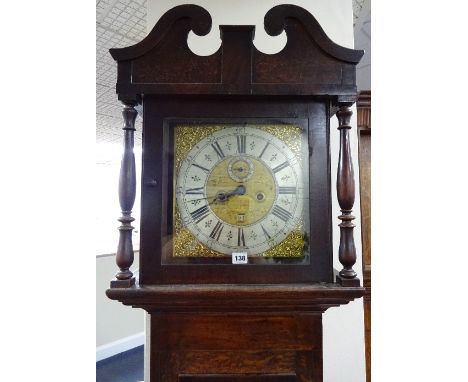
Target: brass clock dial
x=240 y=189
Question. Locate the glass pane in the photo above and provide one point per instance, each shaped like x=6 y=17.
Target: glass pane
x=242 y=189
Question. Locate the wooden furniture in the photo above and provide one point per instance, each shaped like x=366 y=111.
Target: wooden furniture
x=364 y=135
x=213 y=319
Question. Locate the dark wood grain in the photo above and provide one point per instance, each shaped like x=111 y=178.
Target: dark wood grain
x=173 y=52
x=367 y=322
x=236 y=298
x=364 y=147
x=236 y=332
x=346 y=194
x=230 y=362
x=300 y=62
x=236 y=49
x=127 y=190
x=364 y=135
x=237 y=347
x=310 y=64
x=238 y=378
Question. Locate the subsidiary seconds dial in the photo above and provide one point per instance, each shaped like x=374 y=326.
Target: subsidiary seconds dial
x=240 y=189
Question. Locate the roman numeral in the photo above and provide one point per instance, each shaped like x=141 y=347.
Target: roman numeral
x=241 y=143
x=265 y=232
x=201 y=167
x=263 y=151
x=218 y=150
x=240 y=237
x=200 y=214
x=195 y=191
x=287 y=190
x=281 y=213
x=216 y=233
x=280 y=167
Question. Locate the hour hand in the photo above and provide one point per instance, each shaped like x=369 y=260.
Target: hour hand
x=224 y=196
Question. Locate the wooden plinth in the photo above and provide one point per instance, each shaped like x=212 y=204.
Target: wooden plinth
x=122 y=283
x=355 y=282
x=231 y=333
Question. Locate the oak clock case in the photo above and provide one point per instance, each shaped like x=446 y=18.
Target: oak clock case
x=239 y=188
x=209 y=319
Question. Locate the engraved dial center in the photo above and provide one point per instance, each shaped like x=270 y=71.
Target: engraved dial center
x=239 y=204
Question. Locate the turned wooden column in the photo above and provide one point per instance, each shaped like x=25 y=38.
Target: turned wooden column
x=127 y=191
x=346 y=192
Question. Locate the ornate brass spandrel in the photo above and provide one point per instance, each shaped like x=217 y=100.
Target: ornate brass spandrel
x=186 y=137
x=185 y=244
x=293 y=246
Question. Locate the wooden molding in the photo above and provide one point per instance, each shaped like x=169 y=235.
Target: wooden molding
x=364 y=112
x=248 y=298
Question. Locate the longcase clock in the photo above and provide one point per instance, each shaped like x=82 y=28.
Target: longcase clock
x=236 y=264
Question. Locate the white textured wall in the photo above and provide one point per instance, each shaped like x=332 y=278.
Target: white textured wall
x=344 y=326
x=362 y=40
x=114 y=321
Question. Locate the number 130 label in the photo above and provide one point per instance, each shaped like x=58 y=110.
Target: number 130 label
x=239 y=258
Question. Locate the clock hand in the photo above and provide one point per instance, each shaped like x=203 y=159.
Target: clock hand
x=223 y=196
x=240 y=190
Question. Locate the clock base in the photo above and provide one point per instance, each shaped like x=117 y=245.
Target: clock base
x=235 y=333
